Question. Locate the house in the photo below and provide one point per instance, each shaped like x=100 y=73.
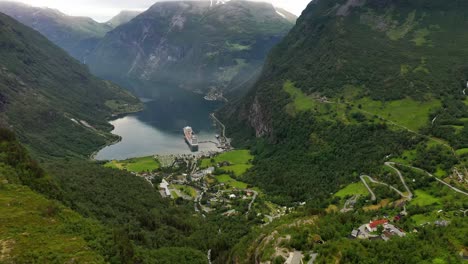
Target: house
x=355 y=233
x=164 y=187
x=372 y=226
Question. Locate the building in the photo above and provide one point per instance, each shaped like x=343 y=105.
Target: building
x=372 y=226
x=164 y=188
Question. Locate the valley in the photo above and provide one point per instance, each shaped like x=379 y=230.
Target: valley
x=235 y=132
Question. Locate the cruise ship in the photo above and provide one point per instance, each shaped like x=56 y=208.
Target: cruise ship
x=191 y=138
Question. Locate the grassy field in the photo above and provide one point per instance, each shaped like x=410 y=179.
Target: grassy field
x=406 y=157
x=240 y=160
x=34 y=229
x=420 y=219
x=353 y=189
x=224 y=178
x=424 y=199
x=190 y=191
x=407 y=112
x=301 y=101
x=462 y=152
x=135 y=165
x=238 y=170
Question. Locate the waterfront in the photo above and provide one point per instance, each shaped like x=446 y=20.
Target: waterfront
x=158 y=129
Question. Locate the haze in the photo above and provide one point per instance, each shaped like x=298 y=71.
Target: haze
x=103 y=10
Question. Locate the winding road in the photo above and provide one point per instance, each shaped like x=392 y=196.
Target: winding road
x=373 y=197
x=391 y=165
x=409 y=197
x=410 y=194
x=437 y=179
x=253 y=200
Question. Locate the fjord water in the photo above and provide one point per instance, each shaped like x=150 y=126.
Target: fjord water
x=158 y=129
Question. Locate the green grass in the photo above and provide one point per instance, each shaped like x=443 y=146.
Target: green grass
x=406 y=157
x=135 y=165
x=420 y=219
x=352 y=189
x=407 y=112
x=301 y=102
x=174 y=195
x=420 y=37
x=238 y=170
x=34 y=229
x=235 y=157
x=440 y=173
x=400 y=31
x=224 y=178
x=190 y=191
x=462 y=152
x=424 y=199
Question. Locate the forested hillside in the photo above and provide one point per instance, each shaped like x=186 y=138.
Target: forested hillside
x=59 y=112
x=352 y=83
x=54 y=104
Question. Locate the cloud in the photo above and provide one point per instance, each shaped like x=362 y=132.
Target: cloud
x=103 y=10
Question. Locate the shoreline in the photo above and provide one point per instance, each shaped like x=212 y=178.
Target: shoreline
x=113 y=117
x=94 y=154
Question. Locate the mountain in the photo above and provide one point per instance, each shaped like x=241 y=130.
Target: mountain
x=197 y=46
x=362 y=98
x=353 y=83
x=51 y=193
x=52 y=102
x=122 y=18
x=76 y=35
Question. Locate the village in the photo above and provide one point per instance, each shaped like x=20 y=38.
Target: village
x=210 y=180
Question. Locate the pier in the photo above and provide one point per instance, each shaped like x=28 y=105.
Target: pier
x=224 y=142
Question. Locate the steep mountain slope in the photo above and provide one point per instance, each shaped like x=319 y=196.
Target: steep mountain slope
x=76 y=35
x=192 y=45
x=53 y=103
x=355 y=82
x=49 y=231
x=122 y=18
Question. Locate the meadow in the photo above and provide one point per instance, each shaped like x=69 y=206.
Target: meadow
x=137 y=165
x=357 y=188
x=235 y=157
x=406 y=112
x=226 y=179
x=423 y=198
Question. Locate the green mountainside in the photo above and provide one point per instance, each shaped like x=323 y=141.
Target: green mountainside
x=353 y=82
x=54 y=104
x=361 y=92
x=34 y=228
x=59 y=112
x=191 y=45
x=122 y=18
x=76 y=35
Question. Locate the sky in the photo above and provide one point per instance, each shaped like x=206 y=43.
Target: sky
x=103 y=10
